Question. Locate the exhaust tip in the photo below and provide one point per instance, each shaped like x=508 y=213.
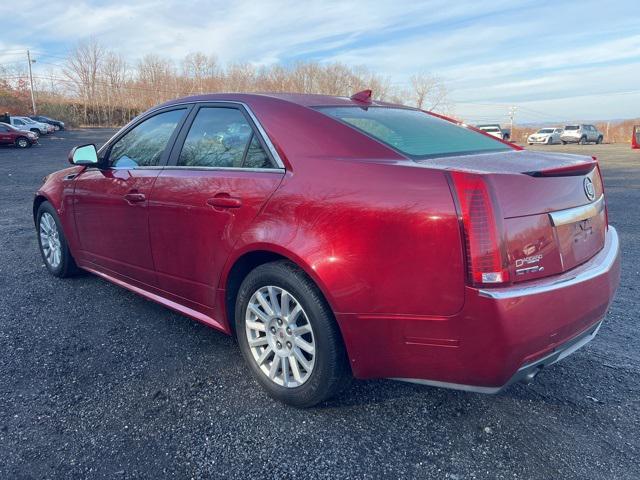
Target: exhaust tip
x=528 y=378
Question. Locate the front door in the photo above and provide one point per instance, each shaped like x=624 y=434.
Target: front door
x=218 y=178
x=111 y=205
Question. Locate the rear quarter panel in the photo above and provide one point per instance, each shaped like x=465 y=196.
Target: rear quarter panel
x=379 y=237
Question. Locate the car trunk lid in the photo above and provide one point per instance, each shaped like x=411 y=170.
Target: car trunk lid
x=550 y=208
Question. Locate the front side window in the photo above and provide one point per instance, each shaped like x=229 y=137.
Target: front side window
x=144 y=145
x=222 y=138
x=414 y=133
x=18 y=122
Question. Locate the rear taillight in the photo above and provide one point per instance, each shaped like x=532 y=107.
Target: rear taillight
x=601 y=181
x=484 y=256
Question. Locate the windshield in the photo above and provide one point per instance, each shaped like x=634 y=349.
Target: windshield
x=572 y=127
x=545 y=130
x=415 y=133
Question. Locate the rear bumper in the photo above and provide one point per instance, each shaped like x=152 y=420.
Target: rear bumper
x=500 y=336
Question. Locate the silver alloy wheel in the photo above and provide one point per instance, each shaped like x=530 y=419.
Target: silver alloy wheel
x=50 y=240
x=22 y=142
x=280 y=336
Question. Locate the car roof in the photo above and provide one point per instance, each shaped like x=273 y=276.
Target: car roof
x=302 y=99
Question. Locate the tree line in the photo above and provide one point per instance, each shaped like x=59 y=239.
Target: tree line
x=96 y=86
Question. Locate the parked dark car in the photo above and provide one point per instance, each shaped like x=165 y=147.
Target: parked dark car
x=50 y=121
x=339 y=237
x=12 y=136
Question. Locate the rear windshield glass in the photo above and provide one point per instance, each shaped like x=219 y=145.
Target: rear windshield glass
x=415 y=133
x=545 y=130
x=571 y=127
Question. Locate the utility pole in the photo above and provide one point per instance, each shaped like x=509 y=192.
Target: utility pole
x=512 y=114
x=33 y=98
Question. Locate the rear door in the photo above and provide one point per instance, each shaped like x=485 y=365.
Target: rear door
x=220 y=174
x=111 y=205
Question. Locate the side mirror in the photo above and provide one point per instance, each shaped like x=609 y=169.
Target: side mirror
x=84 y=155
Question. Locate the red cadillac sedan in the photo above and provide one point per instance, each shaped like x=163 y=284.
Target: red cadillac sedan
x=343 y=237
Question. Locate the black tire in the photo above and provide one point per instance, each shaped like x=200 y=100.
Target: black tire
x=36 y=131
x=331 y=372
x=599 y=140
x=563 y=142
x=549 y=141
x=67 y=266
x=583 y=141
x=23 y=142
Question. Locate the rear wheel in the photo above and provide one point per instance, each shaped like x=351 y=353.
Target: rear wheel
x=289 y=337
x=599 y=140
x=22 y=142
x=563 y=142
x=583 y=140
x=53 y=244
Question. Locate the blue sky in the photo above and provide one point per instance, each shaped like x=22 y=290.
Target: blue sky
x=554 y=60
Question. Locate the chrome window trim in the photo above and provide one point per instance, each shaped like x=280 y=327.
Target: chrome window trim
x=225 y=169
x=605 y=259
x=576 y=214
x=254 y=119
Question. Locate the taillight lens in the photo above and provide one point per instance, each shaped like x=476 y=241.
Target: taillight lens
x=601 y=184
x=484 y=256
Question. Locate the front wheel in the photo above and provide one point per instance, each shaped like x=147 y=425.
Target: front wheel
x=52 y=242
x=599 y=140
x=289 y=337
x=23 y=142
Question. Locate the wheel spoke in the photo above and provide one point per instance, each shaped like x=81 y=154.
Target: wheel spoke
x=273 y=301
x=303 y=361
x=263 y=356
x=258 y=313
x=302 y=329
x=284 y=304
x=258 y=342
x=295 y=313
x=294 y=368
x=259 y=326
x=304 y=345
x=274 y=367
x=263 y=302
x=284 y=361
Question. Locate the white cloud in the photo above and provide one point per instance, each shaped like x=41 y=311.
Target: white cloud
x=488 y=52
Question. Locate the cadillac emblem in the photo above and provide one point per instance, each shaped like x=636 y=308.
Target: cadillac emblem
x=589 y=191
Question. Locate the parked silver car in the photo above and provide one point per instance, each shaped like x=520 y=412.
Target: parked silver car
x=547 y=136
x=581 y=134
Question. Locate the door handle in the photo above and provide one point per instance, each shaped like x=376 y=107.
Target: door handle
x=135 y=197
x=224 y=202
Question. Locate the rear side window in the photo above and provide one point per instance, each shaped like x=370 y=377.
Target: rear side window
x=144 y=145
x=221 y=137
x=415 y=133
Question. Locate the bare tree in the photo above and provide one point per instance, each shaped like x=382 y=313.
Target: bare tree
x=82 y=69
x=428 y=92
x=114 y=74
